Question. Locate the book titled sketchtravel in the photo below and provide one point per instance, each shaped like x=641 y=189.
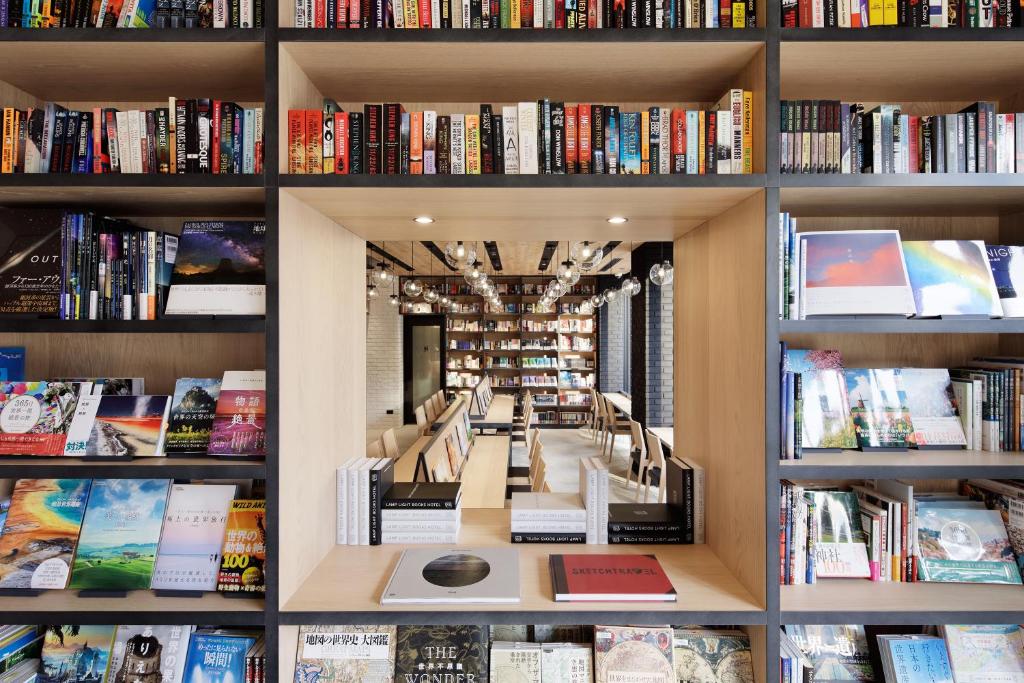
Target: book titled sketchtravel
x=192 y=411
x=219 y=269
x=609 y=578
x=240 y=420
x=459 y=575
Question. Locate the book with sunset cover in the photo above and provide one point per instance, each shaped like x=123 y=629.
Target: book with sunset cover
x=952 y=278
x=853 y=272
x=240 y=420
x=117 y=426
x=603 y=578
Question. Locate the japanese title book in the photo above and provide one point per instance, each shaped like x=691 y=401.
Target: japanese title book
x=219 y=269
x=952 y=278
x=76 y=654
x=932 y=407
x=143 y=654
x=118 y=426
x=878 y=404
x=240 y=421
x=41 y=531
x=914 y=659
x=1006 y=497
x=1007 y=263
x=339 y=654
x=30 y=264
x=825 y=415
x=217 y=657
x=245 y=549
x=193 y=534
x=460 y=575
x=853 y=272
x=963 y=545
x=568 y=662
x=35 y=416
x=515 y=663
x=836 y=652
x=603 y=578
x=985 y=653
x=629 y=653
x=428 y=652
x=120 y=534
x=711 y=655
x=192 y=411
x=840 y=550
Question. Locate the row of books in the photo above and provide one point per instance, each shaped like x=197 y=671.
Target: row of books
x=161 y=14
x=133 y=534
x=89 y=652
x=105 y=418
x=888 y=532
x=902 y=654
x=506 y=288
x=525 y=14
x=529 y=138
x=522 y=653
x=187 y=136
x=829 y=136
x=874 y=273
x=930 y=14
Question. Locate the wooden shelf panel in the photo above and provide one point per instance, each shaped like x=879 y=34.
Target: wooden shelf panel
x=859 y=601
x=708 y=593
x=427 y=70
x=134 y=36
x=972 y=69
x=165 y=325
x=902 y=326
x=143 y=607
x=529 y=36
x=897 y=34
x=65 y=70
x=902 y=195
x=169 y=468
x=951 y=464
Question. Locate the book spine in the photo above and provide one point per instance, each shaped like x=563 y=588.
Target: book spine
x=372 y=149
x=679 y=141
x=394 y=537
x=533 y=537
x=644 y=539
x=444 y=135
x=557 y=153
x=584 y=129
x=430 y=142
x=420 y=526
x=486 y=139
x=421 y=504
x=374 y=503
x=473 y=162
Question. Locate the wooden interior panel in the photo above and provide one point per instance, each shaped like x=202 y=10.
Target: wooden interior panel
x=323 y=380
x=900 y=350
x=887 y=196
x=288 y=647
x=294 y=91
x=720 y=348
x=752 y=78
x=911 y=228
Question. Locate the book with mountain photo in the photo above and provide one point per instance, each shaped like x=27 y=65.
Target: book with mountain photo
x=191 y=420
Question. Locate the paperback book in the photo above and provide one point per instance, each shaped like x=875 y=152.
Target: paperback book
x=339 y=654
x=825 y=421
x=952 y=278
x=30 y=243
x=239 y=422
x=143 y=654
x=712 y=656
x=985 y=653
x=443 y=576
x=76 y=653
x=839 y=547
x=191 y=419
x=193 y=534
x=217 y=657
x=623 y=653
x=1007 y=263
x=964 y=545
x=932 y=407
x=244 y=552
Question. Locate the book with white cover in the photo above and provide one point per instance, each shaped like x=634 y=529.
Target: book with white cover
x=510 y=131
x=547 y=507
x=566 y=662
x=952 y=278
x=454 y=576
x=515 y=662
x=458 y=144
x=528 y=162
x=193 y=533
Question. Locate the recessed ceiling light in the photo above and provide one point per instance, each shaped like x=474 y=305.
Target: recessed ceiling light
x=618 y=220
x=424 y=220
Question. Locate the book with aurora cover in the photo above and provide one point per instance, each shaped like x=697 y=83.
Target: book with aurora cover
x=952 y=278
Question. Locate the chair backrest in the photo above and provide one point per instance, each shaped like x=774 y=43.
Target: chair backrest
x=593 y=400
x=636 y=434
x=537 y=481
x=375 y=449
x=390 y=443
x=440 y=405
x=609 y=409
x=655 y=452
x=431 y=409
x=536 y=458
x=421 y=420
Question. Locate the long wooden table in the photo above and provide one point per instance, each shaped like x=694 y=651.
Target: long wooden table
x=621 y=402
x=483 y=477
x=666 y=434
x=499 y=414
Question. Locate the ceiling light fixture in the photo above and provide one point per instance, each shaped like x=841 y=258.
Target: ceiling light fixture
x=424 y=220
x=618 y=220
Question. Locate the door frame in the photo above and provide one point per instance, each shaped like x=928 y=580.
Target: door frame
x=408 y=323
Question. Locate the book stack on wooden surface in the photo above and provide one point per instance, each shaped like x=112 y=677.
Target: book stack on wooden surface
x=548 y=518
x=645 y=523
x=426 y=512
x=594 y=492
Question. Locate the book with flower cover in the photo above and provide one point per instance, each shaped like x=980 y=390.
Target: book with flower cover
x=825 y=411
x=239 y=423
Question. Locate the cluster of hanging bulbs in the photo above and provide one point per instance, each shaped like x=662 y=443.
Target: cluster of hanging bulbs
x=380 y=277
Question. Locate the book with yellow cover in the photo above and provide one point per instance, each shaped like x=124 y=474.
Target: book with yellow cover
x=472 y=144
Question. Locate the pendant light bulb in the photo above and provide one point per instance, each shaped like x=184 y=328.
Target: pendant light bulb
x=430 y=295
x=394 y=300
x=412 y=288
x=662 y=274
x=371 y=292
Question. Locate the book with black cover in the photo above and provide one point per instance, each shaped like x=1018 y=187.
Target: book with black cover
x=461 y=652
x=422 y=495
x=30 y=263
x=646 y=519
x=381 y=479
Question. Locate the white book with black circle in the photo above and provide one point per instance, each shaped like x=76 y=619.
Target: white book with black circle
x=454 y=576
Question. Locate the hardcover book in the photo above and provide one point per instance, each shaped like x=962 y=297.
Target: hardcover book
x=566 y=662
x=964 y=545
x=192 y=411
x=461 y=575
x=193 y=533
x=609 y=578
x=458 y=652
x=35 y=416
x=985 y=653
x=30 y=263
x=1007 y=263
x=878 y=405
x=515 y=663
x=239 y=423
x=118 y=426
x=40 y=532
x=840 y=549
x=217 y=658
x=120 y=533
x=712 y=656
x=76 y=654
x=145 y=654
x=825 y=415
x=219 y=269
x=898 y=652
x=245 y=549
x=952 y=278
x=932 y=407
x=837 y=652
x=423 y=495
x=632 y=653
x=339 y=654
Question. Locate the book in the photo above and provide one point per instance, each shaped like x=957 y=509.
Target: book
x=515 y=662
x=40 y=532
x=567 y=662
x=338 y=654
x=637 y=652
x=839 y=547
x=144 y=653
x=985 y=653
x=422 y=495
x=118 y=426
x=825 y=416
x=453 y=576
x=600 y=578
x=35 y=416
x=29 y=273
x=1007 y=263
x=193 y=407
x=193 y=533
x=12 y=363
x=878 y=406
x=239 y=422
x=964 y=545
x=930 y=654
x=932 y=407
x=952 y=278
x=219 y=269
x=245 y=549
x=462 y=650
x=645 y=519
x=836 y=652
x=217 y=657
x=120 y=534
x=712 y=655
x=76 y=654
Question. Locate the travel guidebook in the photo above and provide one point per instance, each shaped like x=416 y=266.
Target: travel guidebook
x=932 y=407
x=625 y=653
x=1007 y=264
x=462 y=575
x=118 y=426
x=964 y=545
x=712 y=656
x=245 y=548
x=839 y=550
x=878 y=404
x=76 y=654
x=219 y=269
x=120 y=533
x=914 y=659
x=426 y=650
x=340 y=654
x=952 y=278
x=825 y=413
x=192 y=537
x=41 y=532
x=35 y=416
x=144 y=654
x=837 y=653
x=192 y=411
x=240 y=420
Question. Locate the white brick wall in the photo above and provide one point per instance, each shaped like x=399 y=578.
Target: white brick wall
x=383 y=368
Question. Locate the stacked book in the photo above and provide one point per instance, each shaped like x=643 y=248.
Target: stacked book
x=594 y=492
x=362 y=483
x=679 y=520
x=548 y=518
x=423 y=512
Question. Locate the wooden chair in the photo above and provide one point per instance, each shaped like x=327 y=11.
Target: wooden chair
x=537 y=482
x=375 y=449
x=655 y=467
x=536 y=460
x=431 y=409
x=440 y=405
x=421 y=421
x=390 y=443
x=599 y=418
x=637 y=456
x=613 y=426
x=594 y=413
x=532 y=444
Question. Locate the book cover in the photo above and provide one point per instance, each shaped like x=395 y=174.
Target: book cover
x=245 y=548
x=193 y=533
x=12 y=363
x=952 y=278
x=120 y=533
x=35 y=416
x=840 y=548
x=878 y=405
x=915 y=659
x=76 y=654
x=964 y=545
x=424 y=652
x=566 y=662
x=217 y=658
x=40 y=532
x=339 y=654
x=118 y=426
x=633 y=653
x=440 y=576
x=600 y=578
x=192 y=410
x=836 y=652
x=932 y=407
x=985 y=653
x=712 y=656
x=515 y=663
x=1007 y=263
x=219 y=269
x=148 y=654
x=825 y=416
x=30 y=262
x=1007 y=499
x=239 y=422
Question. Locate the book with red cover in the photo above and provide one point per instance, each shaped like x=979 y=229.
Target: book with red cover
x=609 y=578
